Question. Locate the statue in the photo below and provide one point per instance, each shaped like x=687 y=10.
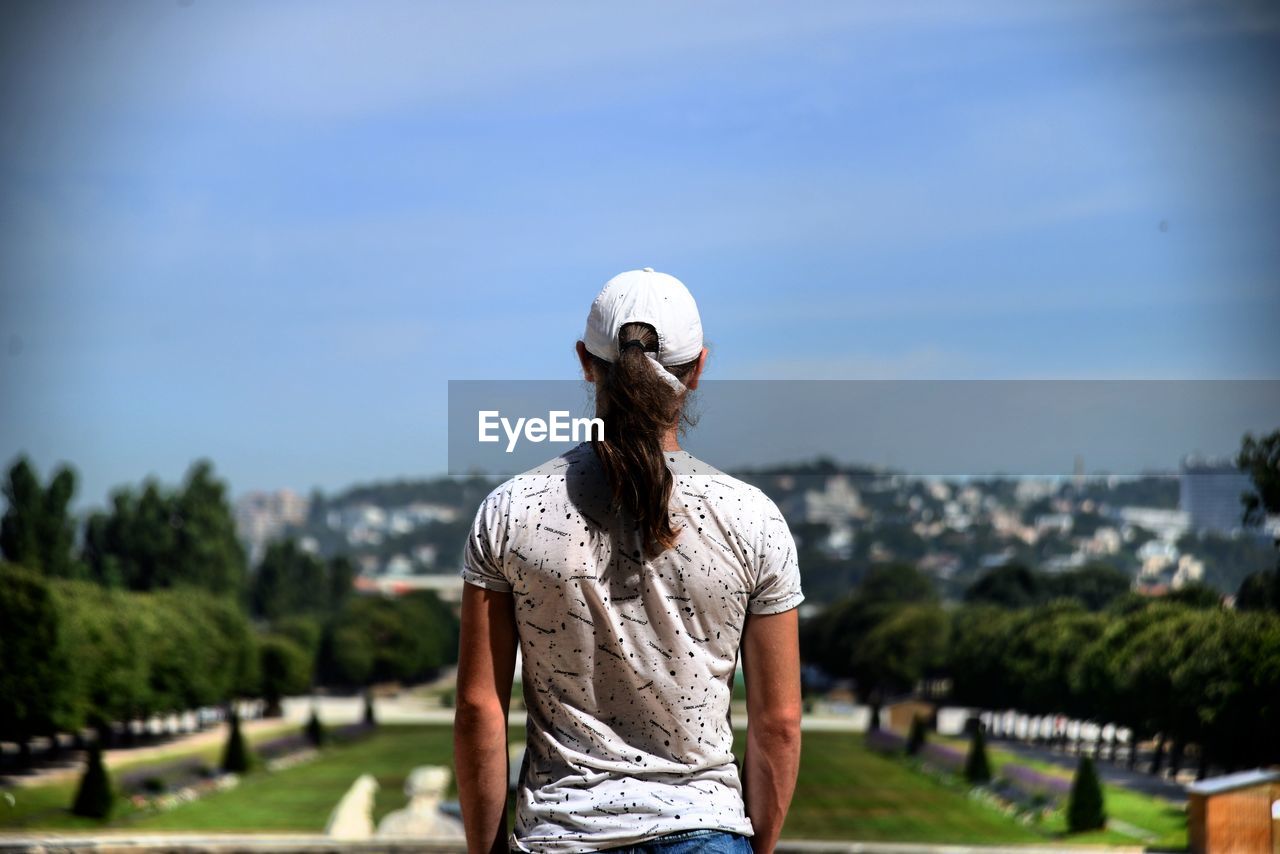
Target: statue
x=422 y=818
x=352 y=818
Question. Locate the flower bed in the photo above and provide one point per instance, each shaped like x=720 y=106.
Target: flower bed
x=1033 y=784
x=942 y=756
x=884 y=741
x=185 y=794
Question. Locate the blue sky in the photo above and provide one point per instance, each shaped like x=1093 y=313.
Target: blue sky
x=270 y=233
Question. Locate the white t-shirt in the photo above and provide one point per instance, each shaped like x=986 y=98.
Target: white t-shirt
x=628 y=663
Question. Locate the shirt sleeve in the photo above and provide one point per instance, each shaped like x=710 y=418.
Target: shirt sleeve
x=777 y=587
x=482 y=558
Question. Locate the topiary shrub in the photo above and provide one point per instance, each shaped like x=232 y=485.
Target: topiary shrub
x=917 y=736
x=1085 y=807
x=236 y=758
x=314 y=730
x=976 y=768
x=94 y=798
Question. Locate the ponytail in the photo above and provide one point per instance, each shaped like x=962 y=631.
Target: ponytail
x=638 y=408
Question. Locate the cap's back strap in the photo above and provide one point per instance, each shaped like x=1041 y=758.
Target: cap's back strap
x=634 y=342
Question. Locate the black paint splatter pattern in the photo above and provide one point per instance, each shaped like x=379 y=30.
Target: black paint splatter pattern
x=628 y=663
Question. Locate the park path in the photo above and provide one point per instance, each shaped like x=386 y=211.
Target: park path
x=415 y=709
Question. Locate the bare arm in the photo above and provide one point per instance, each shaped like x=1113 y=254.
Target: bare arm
x=486 y=663
x=771 y=667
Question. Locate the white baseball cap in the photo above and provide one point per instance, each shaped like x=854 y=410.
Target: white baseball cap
x=643 y=296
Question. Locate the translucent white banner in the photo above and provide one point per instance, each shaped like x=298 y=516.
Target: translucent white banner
x=951 y=428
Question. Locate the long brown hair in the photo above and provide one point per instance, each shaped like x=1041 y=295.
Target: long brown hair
x=638 y=408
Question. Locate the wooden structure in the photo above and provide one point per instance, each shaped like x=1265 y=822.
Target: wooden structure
x=1236 y=813
x=897 y=715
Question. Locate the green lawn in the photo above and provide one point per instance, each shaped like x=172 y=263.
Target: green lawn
x=848 y=792
x=844 y=792
x=300 y=798
x=1164 y=823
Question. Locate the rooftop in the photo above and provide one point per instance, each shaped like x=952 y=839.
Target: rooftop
x=1239 y=780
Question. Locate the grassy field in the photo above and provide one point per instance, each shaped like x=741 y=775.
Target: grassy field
x=847 y=792
x=301 y=798
x=844 y=792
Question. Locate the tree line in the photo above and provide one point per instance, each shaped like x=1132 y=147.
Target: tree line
x=1184 y=671
x=149 y=607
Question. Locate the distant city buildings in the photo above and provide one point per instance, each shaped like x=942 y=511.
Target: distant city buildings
x=261 y=517
x=401 y=539
x=447 y=586
x=1166 y=524
x=836 y=503
x=369 y=524
x=1209 y=492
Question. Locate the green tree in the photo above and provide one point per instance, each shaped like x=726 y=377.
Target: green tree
x=1010 y=586
x=377 y=640
x=1039 y=656
x=1146 y=673
x=917 y=736
x=346 y=653
x=1104 y=671
x=1196 y=595
x=235 y=642
x=94 y=796
x=206 y=541
x=37 y=530
x=129 y=654
x=303 y=630
x=290 y=581
x=1230 y=667
x=1095 y=585
x=980 y=635
x=315 y=731
x=203 y=651
x=182 y=672
x=906 y=645
x=158 y=538
x=977 y=769
x=1260 y=592
x=1260 y=459
x=34 y=683
x=134 y=544
x=832 y=640
x=236 y=756
x=342 y=575
x=108 y=659
x=1085 y=809
x=286 y=669
x=897 y=584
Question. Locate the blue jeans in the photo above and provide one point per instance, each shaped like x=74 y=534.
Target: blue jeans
x=702 y=841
